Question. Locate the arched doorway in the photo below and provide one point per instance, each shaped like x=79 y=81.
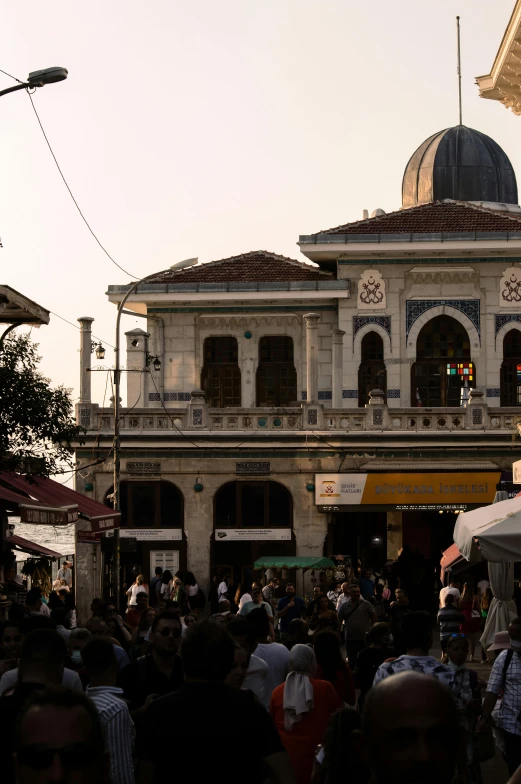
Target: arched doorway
x=251 y=520
x=371 y=373
x=276 y=374
x=511 y=369
x=151 y=534
x=443 y=373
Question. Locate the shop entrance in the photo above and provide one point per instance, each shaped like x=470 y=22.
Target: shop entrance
x=361 y=535
x=251 y=520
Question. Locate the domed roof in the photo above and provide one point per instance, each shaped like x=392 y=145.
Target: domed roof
x=462 y=164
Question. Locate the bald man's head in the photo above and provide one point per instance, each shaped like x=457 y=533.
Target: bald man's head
x=411 y=730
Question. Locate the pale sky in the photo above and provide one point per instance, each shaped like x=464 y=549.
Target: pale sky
x=211 y=128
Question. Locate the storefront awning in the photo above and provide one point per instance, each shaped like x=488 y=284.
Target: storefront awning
x=449 y=559
x=34 y=512
x=293 y=562
x=53 y=494
x=26 y=546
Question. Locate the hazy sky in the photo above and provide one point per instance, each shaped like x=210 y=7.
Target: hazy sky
x=211 y=128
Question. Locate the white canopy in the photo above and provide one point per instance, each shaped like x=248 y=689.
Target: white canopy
x=497 y=529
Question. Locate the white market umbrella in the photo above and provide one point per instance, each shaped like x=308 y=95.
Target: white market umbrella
x=491 y=533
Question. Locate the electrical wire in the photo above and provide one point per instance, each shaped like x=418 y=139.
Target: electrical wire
x=79 y=328
x=12 y=77
x=105 y=251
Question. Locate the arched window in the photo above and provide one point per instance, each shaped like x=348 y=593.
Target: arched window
x=253 y=505
x=150 y=505
x=511 y=369
x=443 y=374
x=371 y=373
x=221 y=377
x=276 y=374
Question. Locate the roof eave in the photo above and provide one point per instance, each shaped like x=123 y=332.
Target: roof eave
x=452 y=244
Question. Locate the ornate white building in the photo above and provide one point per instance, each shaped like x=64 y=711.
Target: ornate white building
x=332 y=405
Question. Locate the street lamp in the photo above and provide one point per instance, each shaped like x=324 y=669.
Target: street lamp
x=39 y=79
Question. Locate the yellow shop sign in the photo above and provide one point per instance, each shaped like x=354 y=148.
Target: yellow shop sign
x=410 y=489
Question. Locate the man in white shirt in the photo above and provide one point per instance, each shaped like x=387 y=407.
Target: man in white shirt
x=222 y=589
x=344 y=596
x=118 y=728
x=65 y=573
x=243 y=632
x=274 y=654
x=452 y=588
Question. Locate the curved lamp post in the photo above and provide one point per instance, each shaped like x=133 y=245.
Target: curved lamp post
x=39 y=79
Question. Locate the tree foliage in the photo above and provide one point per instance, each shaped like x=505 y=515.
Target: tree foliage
x=37 y=426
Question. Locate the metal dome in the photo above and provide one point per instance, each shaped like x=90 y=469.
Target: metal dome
x=462 y=164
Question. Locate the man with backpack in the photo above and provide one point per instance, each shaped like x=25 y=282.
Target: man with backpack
x=358 y=616
x=506 y=678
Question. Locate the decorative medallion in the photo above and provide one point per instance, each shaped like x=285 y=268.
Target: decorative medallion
x=371 y=290
x=510 y=287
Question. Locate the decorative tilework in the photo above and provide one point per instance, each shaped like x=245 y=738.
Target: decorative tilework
x=505 y=318
x=304 y=395
x=154 y=397
x=312 y=416
x=349 y=394
x=361 y=321
x=325 y=394
x=177 y=396
x=85 y=417
x=393 y=393
x=416 y=307
x=197 y=416
x=493 y=392
x=477 y=416
x=262 y=421
x=377 y=416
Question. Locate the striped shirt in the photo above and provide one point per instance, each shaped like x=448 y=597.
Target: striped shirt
x=118 y=729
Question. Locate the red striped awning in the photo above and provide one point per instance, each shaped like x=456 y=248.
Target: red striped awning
x=53 y=494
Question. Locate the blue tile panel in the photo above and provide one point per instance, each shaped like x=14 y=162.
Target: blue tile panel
x=493 y=392
x=177 y=396
x=350 y=393
x=416 y=307
x=501 y=319
x=362 y=321
x=393 y=393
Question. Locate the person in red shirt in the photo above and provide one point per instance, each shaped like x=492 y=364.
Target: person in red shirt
x=332 y=666
x=300 y=708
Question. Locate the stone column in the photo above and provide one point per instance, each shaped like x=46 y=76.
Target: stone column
x=137 y=342
x=337 y=336
x=85 y=356
x=312 y=357
x=394 y=534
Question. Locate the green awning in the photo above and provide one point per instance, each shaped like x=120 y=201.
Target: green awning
x=293 y=562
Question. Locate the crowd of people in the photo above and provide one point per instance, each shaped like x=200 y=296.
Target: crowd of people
x=260 y=684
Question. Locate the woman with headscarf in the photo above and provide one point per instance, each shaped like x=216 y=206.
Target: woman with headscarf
x=300 y=708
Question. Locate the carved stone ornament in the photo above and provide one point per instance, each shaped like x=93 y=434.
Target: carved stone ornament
x=510 y=287
x=371 y=290
x=240 y=322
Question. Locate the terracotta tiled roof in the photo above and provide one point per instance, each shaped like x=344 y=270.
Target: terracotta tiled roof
x=255 y=267
x=439 y=216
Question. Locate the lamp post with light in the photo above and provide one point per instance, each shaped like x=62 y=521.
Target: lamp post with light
x=39 y=79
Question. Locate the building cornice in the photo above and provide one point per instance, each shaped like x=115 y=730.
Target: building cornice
x=503 y=83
